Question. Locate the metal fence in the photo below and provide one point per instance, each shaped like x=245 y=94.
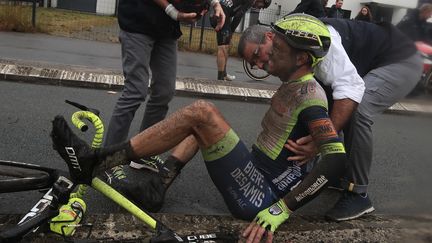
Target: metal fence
x=51 y=19
x=12 y=9
x=202 y=37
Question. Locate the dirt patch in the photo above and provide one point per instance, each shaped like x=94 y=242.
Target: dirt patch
x=374 y=228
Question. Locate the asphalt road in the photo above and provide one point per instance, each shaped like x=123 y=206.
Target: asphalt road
x=400 y=177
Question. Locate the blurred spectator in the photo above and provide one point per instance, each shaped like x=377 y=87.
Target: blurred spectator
x=311 y=7
x=336 y=10
x=234 y=11
x=414 y=24
x=364 y=15
x=324 y=4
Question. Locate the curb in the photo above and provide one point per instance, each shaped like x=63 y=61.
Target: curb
x=74 y=76
x=372 y=228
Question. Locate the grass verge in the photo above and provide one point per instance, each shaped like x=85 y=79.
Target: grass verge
x=17 y=17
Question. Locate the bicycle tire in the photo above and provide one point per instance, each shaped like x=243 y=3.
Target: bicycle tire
x=255 y=74
x=427 y=82
x=18 y=176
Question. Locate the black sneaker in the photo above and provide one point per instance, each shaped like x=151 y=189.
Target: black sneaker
x=350 y=206
x=153 y=163
x=114 y=174
x=166 y=171
x=143 y=187
x=79 y=157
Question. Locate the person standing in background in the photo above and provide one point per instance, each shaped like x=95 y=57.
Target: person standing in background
x=415 y=22
x=234 y=11
x=149 y=30
x=311 y=7
x=364 y=15
x=336 y=10
x=324 y=4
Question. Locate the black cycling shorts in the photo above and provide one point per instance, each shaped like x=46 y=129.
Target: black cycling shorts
x=233 y=170
x=224 y=35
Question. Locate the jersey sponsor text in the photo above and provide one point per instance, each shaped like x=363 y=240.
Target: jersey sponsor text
x=320 y=182
x=250 y=181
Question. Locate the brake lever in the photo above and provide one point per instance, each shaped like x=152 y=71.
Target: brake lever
x=83 y=107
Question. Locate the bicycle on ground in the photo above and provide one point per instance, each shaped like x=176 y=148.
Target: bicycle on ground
x=60 y=209
x=254 y=72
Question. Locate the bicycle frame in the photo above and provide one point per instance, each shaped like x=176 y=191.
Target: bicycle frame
x=45 y=209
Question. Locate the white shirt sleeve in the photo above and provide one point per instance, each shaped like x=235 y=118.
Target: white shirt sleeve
x=337 y=70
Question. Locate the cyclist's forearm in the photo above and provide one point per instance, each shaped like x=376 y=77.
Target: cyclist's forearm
x=330 y=168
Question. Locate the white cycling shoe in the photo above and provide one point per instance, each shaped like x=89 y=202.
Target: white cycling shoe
x=229 y=77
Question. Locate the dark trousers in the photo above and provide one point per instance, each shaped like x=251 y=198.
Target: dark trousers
x=143 y=58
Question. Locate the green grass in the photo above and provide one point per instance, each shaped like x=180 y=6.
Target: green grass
x=16 y=18
x=71 y=24
x=56 y=21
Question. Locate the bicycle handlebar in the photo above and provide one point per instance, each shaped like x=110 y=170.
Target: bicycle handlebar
x=77 y=120
x=83 y=107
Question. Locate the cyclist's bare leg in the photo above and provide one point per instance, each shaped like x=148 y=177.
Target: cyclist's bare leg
x=226 y=57
x=186 y=150
x=222 y=58
x=200 y=119
x=178 y=158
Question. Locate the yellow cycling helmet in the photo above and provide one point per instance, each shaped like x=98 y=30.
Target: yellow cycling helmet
x=305 y=32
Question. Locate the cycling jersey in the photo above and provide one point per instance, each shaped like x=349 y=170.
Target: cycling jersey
x=236 y=7
x=250 y=181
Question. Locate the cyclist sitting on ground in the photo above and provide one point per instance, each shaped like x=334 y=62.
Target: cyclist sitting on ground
x=260 y=183
x=234 y=11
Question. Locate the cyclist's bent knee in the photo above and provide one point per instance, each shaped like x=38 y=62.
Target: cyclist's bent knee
x=203 y=108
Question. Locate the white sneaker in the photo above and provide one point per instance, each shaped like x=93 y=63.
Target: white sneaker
x=229 y=77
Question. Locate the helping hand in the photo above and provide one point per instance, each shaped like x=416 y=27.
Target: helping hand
x=304 y=148
x=187 y=17
x=271 y=218
x=219 y=15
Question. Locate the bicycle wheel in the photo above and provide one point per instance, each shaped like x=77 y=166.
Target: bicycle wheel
x=427 y=82
x=18 y=176
x=254 y=72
